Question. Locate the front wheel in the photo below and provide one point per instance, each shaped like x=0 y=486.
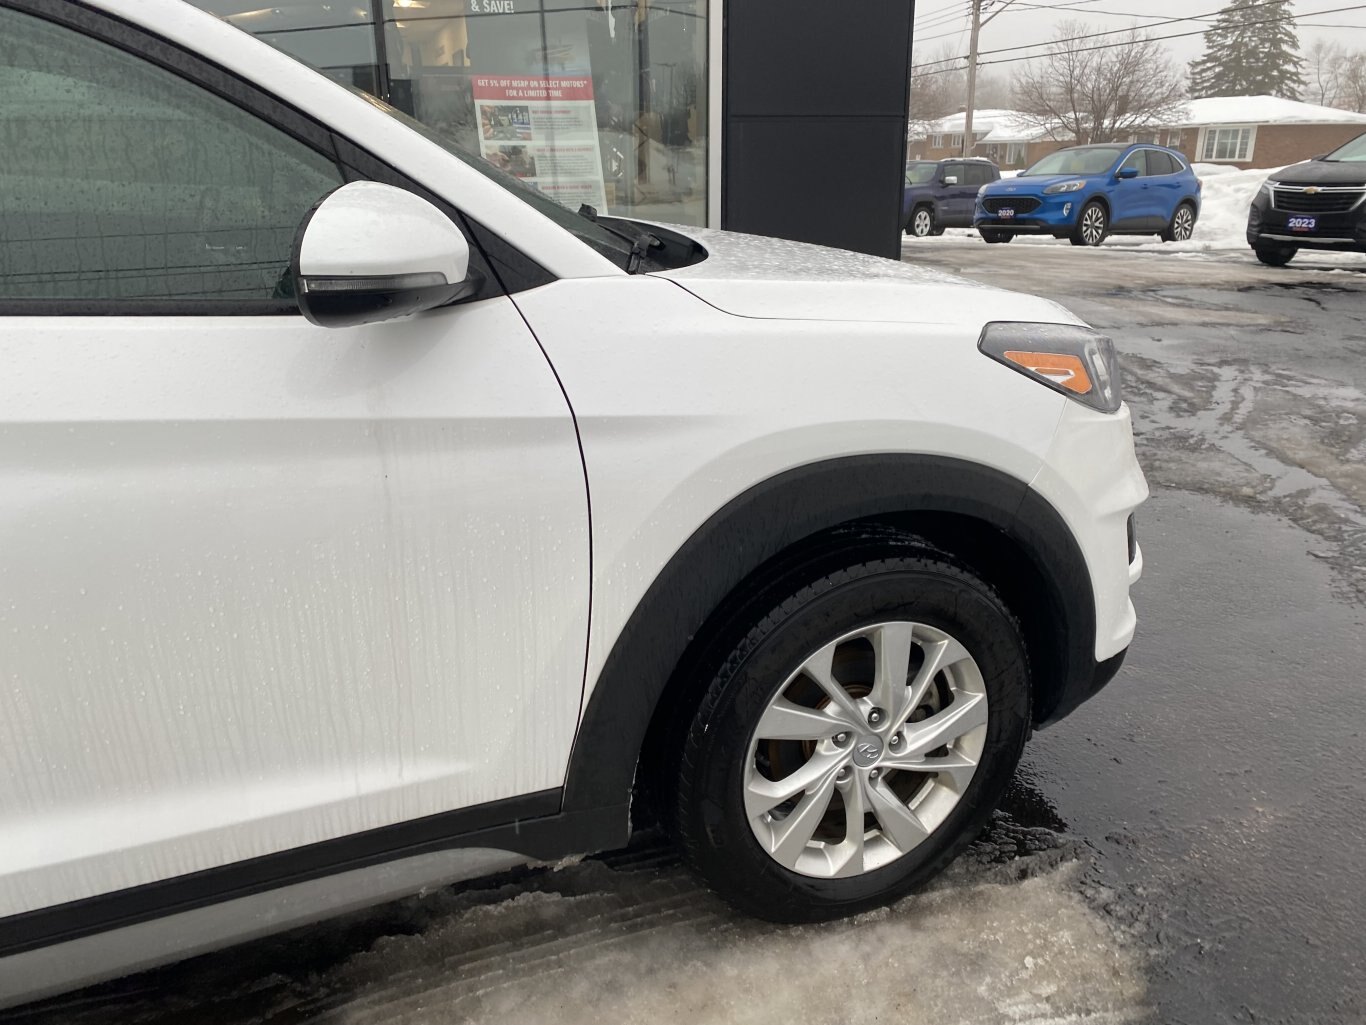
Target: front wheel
x=996 y=236
x=1092 y=226
x=855 y=739
x=922 y=223
x=1182 y=226
x=1275 y=256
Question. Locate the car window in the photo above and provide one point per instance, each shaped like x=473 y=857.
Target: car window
x=120 y=180
x=1138 y=160
x=985 y=175
x=1354 y=151
x=1091 y=160
x=954 y=171
x=1162 y=163
x=920 y=174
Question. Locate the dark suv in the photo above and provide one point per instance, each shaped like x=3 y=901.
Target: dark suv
x=942 y=194
x=1319 y=204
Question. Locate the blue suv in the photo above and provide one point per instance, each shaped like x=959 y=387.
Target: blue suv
x=1088 y=193
x=940 y=194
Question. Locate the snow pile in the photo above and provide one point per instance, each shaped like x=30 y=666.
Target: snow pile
x=1224 y=202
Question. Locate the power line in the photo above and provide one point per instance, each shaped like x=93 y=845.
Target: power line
x=1109 y=46
x=1155 y=24
x=1126 y=31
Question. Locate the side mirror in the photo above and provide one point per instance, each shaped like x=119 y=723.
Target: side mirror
x=369 y=252
x=951 y=179
x=1127 y=173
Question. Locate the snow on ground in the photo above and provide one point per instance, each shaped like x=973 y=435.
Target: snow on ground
x=1031 y=953
x=1012 y=934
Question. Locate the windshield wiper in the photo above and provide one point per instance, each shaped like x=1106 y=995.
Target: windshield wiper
x=641 y=240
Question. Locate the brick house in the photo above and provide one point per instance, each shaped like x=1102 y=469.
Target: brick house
x=1241 y=131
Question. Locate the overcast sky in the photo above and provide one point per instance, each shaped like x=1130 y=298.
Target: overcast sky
x=944 y=22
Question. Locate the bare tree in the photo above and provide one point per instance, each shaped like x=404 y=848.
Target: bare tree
x=1093 y=94
x=1352 y=82
x=1322 y=70
x=937 y=85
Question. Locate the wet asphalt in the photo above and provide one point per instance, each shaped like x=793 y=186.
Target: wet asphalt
x=1220 y=781
x=1187 y=848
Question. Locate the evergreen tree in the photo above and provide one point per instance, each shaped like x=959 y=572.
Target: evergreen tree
x=1250 y=50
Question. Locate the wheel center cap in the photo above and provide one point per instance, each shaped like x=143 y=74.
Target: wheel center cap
x=867 y=751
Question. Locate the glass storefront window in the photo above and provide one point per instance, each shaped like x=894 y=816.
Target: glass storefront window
x=601 y=102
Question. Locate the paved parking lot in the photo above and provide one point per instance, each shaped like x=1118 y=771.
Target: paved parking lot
x=1184 y=849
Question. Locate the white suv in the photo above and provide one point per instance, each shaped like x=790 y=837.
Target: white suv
x=370 y=522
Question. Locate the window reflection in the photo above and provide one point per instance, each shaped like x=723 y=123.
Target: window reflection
x=591 y=101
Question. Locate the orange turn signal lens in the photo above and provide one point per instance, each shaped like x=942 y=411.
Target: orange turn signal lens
x=1064 y=370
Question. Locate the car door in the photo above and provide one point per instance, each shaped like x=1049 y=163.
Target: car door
x=264 y=584
x=1165 y=187
x=956 y=195
x=1130 y=198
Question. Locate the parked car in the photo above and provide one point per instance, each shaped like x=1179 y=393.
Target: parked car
x=1318 y=204
x=940 y=194
x=301 y=430
x=1087 y=193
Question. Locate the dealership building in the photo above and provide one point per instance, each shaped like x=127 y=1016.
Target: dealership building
x=781 y=117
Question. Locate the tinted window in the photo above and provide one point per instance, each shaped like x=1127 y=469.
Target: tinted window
x=954 y=171
x=1137 y=159
x=119 y=180
x=978 y=174
x=1161 y=163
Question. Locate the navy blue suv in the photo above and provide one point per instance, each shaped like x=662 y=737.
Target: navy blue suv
x=941 y=193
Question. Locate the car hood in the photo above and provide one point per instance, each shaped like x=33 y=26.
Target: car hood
x=776 y=279
x=1031 y=186
x=1323 y=172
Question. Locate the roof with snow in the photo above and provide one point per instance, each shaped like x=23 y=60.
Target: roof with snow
x=1261 y=110
x=1000 y=126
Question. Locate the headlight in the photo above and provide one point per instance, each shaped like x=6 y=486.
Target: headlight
x=981 y=192
x=1073 y=360
x=1054 y=190
x=1268 y=185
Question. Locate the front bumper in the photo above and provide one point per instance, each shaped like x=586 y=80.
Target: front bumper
x=1052 y=214
x=1092 y=478
x=1269 y=226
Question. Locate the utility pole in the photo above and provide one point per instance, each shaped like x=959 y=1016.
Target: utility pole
x=978 y=7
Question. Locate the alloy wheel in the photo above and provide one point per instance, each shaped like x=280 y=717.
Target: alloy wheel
x=865 y=749
x=1183 y=224
x=922 y=223
x=1093 y=225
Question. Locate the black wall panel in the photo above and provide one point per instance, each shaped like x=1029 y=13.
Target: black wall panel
x=814 y=105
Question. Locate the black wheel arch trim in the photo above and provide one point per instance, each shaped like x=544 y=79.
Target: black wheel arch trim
x=770 y=518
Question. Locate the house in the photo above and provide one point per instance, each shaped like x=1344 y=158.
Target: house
x=1257 y=131
x=1004 y=136
x=1240 y=131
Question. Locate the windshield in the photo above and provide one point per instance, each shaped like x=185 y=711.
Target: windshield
x=610 y=245
x=1353 y=152
x=920 y=174
x=1090 y=160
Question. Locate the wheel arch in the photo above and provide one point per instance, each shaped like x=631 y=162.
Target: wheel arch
x=989 y=520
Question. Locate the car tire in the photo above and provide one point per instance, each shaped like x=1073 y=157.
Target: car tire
x=922 y=223
x=1182 y=225
x=1275 y=256
x=1093 y=225
x=919 y=604
x=995 y=236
